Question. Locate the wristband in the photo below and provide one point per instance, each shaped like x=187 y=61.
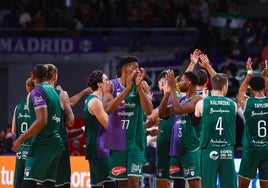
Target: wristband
x=250 y=72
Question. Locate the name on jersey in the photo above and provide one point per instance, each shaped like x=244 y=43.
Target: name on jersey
x=258 y=113
x=55 y=118
x=23 y=115
x=217 y=102
x=261 y=105
x=124 y=113
x=212 y=110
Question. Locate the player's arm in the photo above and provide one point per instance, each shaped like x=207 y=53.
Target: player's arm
x=73 y=133
x=110 y=102
x=265 y=73
x=196 y=116
x=95 y=107
x=13 y=126
x=165 y=110
x=153 y=119
x=67 y=110
x=194 y=57
x=206 y=65
x=74 y=99
x=241 y=96
x=144 y=93
x=38 y=124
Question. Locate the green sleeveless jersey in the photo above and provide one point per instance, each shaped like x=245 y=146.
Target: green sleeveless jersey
x=23 y=119
x=126 y=129
x=218 y=122
x=256 y=116
x=44 y=94
x=190 y=134
x=95 y=134
x=63 y=131
x=164 y=138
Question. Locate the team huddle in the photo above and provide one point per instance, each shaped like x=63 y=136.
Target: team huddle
x=194 y=128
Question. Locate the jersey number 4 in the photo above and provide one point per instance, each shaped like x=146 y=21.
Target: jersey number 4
x=219 y=126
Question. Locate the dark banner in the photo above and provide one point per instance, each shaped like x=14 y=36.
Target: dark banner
x=51 y=45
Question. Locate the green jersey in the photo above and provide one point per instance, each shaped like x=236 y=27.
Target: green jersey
x=126 y=129
x=163 y=139
x=45 y=95
x=23 y=119
x=95 y=134
x=189 y=134
x=218 y=122
x=256 y=116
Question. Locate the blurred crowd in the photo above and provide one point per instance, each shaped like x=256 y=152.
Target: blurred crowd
x=6 y=141
x=78 y=15
x=114 y=13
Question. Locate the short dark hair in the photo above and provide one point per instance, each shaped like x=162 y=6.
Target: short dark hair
x=39 y=71
x=94 y=78
x=192 y=76
x=202 y=77
x=257 y=83
x=124 y=60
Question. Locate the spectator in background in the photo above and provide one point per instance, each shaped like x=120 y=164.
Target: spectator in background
x=157 y=12
x=147 y=15
x=226 y=34
x=2 y=137
x=183 y=7
x=25 y=19
x=233 y=7
x=8 y=141
x=168 y=15
x=135 y=20
x=204 y=35
x=248 y=35
x=180 y=20
x=220 y=6
x=104 y=15
x=194 y=14
x=90 y=15
x=233 y=83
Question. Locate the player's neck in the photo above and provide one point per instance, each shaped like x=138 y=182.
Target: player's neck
x=122 y=80
x=259 y=94
x=217 y=93
x=98 y=93
x=191 y=92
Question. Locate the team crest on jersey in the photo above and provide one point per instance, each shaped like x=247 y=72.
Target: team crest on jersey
x=214 y=155
x=118 y=170
x=173 y=169
x=38 y=99
x=27 y=171
x=132 y=94
x=18 y=155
